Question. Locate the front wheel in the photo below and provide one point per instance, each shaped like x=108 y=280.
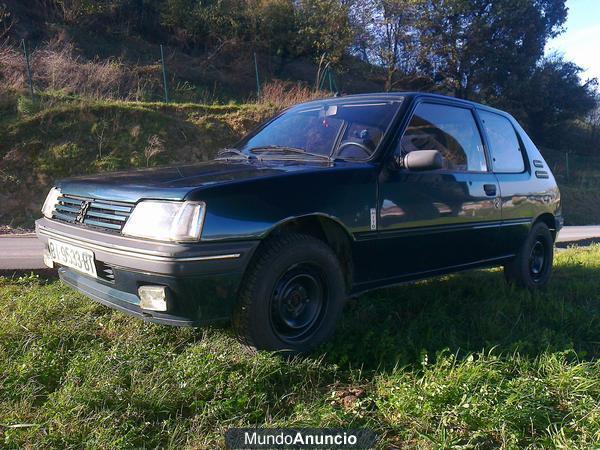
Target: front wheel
x=532 y=266
x=292 y=295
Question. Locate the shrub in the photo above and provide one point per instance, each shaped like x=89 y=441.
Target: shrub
x=26 y=106
x=63 y=159
x=155 y=147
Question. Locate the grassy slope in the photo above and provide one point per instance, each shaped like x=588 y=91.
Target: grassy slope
x=581 y=206
x=460 y=360
x=72 y=137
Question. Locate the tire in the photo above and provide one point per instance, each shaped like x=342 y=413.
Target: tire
x=532 y=266
x=291 y=297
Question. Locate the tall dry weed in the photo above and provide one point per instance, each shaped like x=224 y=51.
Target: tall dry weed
x=57 y=67
x=283 y=94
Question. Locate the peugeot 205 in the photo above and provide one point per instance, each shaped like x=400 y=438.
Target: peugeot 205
x=327 y=200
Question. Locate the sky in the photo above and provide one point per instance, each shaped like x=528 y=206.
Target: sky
x=580 y=41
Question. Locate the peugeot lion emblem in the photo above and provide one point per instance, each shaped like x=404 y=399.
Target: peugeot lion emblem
x=83 y=211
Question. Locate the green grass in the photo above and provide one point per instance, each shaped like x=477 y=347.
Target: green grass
x=461 y=361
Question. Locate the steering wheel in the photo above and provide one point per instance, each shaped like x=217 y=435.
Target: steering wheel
x=363 y=147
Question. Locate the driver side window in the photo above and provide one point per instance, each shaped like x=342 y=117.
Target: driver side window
x=450 y=130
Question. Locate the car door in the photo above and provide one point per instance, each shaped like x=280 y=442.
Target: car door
x=519 y=199
x=436 y=220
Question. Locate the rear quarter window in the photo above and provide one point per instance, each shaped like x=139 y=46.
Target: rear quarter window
x=505 y=147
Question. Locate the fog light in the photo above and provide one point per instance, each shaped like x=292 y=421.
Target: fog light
x=153 y=298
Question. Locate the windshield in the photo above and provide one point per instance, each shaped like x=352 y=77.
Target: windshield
x=347 y=130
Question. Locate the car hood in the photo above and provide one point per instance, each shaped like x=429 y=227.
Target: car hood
x=174 y=183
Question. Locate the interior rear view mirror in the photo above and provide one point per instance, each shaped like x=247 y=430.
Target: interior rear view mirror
x=328 y=111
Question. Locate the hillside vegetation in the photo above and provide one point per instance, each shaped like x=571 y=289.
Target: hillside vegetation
x=491 y=52
x=76 y=137
x=56 y=137
x=461 y=361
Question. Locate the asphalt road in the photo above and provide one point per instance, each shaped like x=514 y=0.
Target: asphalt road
x=24 y=252
x=20 y=252
x=574 y=234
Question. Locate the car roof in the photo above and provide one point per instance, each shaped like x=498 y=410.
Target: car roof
x=403 y=95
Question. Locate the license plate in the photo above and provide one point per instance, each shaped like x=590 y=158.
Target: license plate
x=80 y=259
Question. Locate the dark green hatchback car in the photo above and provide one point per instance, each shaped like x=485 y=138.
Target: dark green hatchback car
x=327 y=200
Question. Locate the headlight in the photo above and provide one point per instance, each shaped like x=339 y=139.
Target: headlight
x=50 y=202
x=166 y=221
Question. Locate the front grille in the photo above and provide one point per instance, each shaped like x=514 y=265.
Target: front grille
x=102 y=214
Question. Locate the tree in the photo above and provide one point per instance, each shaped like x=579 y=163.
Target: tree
x=324 y=28
x=398 y=40
x=361 y=20
x=593 y=120
x=204 y=23
x=552 y=99
x=274 y=26
x=478 y=48
x=386 y=35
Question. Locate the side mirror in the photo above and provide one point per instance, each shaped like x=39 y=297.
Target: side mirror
x=420 y=160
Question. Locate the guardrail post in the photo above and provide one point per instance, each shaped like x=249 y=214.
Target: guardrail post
x=257 y=78
x=164 y=73
x=26 y=54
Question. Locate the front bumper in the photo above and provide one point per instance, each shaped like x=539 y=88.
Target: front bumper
x=202 y=278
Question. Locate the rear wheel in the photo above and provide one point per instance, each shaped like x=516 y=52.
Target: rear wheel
x=532 y=266
x=292 y=295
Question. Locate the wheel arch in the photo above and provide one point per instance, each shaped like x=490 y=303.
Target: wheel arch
x=326 y=228
x=549 y=220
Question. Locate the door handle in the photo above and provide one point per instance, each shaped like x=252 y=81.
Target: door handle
x=490 y=189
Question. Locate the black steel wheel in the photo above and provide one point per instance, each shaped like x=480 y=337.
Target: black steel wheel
x=292 y=295
x=532 y=266
x=298 y=302
x=537 y=259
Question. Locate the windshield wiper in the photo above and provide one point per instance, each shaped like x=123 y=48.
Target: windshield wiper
x=228 y=153
x=284 y=149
